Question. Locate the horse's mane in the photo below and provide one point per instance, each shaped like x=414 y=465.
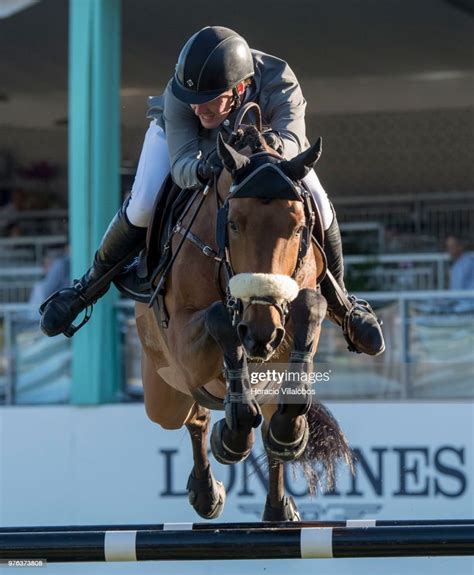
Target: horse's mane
x=249 y=136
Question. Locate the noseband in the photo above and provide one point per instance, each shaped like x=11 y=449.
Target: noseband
x=263 y=180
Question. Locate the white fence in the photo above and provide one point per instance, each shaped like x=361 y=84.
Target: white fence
x=33 y=368
x=387 y=272
x=429 y=337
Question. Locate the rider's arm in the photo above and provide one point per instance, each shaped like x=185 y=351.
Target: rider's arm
x=184 y=143
x=282 y=103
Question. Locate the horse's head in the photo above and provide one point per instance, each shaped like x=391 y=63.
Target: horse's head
x=265 y=226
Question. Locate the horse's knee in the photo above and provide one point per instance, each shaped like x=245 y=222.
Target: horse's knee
x=220 y=327
x=309 y=307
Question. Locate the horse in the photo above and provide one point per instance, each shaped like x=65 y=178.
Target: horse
x=243 y=291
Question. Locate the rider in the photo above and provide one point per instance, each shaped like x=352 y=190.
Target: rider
x=216 y=72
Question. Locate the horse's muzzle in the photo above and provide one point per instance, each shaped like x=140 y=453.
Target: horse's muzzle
x=260 y=332
x=257 y=347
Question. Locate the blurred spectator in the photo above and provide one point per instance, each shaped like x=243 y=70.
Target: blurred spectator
x=10 y=212
x=57 y=277
x=13 y=230
x=462 y=269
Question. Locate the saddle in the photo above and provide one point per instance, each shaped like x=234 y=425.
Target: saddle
x=134 y=282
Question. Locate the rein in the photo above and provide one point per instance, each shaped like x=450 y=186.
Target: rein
x=167 y=269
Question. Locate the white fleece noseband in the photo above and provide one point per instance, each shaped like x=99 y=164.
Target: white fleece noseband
x=281 y=288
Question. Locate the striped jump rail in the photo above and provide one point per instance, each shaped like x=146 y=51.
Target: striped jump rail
x=210 y=526
x=189 y=544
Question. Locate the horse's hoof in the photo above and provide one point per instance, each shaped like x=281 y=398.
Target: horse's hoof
x=287 y=511
x=282 y=451
x=222 y=452
x=206 y=494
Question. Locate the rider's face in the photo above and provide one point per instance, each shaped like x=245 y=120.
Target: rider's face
x=212 y=114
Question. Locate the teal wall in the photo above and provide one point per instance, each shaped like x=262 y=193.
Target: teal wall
x=94 y=182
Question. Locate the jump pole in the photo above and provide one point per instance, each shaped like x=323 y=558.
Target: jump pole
x=195 y=545
x=211 y=526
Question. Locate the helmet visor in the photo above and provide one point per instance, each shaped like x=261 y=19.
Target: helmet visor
x=189 y=96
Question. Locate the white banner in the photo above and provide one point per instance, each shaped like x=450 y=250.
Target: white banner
x=109 y=464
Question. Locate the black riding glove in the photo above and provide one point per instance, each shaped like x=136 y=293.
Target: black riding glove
x=209 y=167
x=274 y=140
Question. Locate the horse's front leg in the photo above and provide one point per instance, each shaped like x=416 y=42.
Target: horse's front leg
x=206 y=494
x=287 y=434
x=232 y=438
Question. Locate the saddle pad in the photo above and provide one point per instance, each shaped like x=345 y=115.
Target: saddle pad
x=164 y=200
x=169 y=204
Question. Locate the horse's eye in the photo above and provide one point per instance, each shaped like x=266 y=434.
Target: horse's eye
x=233 y=226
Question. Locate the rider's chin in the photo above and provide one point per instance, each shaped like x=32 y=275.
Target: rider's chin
x=207 y=120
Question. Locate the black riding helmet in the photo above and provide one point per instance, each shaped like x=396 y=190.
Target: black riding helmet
x=213 y=60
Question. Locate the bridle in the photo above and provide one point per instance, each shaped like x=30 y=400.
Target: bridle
x=265 y=181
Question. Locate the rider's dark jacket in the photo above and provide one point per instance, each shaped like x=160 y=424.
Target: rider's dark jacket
x=274 y=88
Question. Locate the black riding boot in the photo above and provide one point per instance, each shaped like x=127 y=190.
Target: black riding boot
x=121 y=242
x=359 y=323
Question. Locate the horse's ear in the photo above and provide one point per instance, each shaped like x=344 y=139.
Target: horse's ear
x=299 y=166
x=232 y=160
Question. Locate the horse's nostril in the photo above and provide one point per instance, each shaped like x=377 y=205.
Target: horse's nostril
x=278 y=336
x=242 y=330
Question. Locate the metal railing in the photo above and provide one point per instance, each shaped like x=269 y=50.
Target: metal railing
x=33 y=368
x=414 y=222
x=30 y=250
x=41 y=222
x=407 y=271
x=429 y=355
x=397 y=272
x=400 y=222
x=429 y=350
x=17 y=283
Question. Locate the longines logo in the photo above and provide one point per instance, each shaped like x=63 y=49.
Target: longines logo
x=381 y=472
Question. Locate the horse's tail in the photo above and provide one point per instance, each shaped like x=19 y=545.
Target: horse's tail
x=327 y=446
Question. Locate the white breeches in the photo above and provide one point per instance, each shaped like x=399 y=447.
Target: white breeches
x=154 y=166
x=320 y=197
